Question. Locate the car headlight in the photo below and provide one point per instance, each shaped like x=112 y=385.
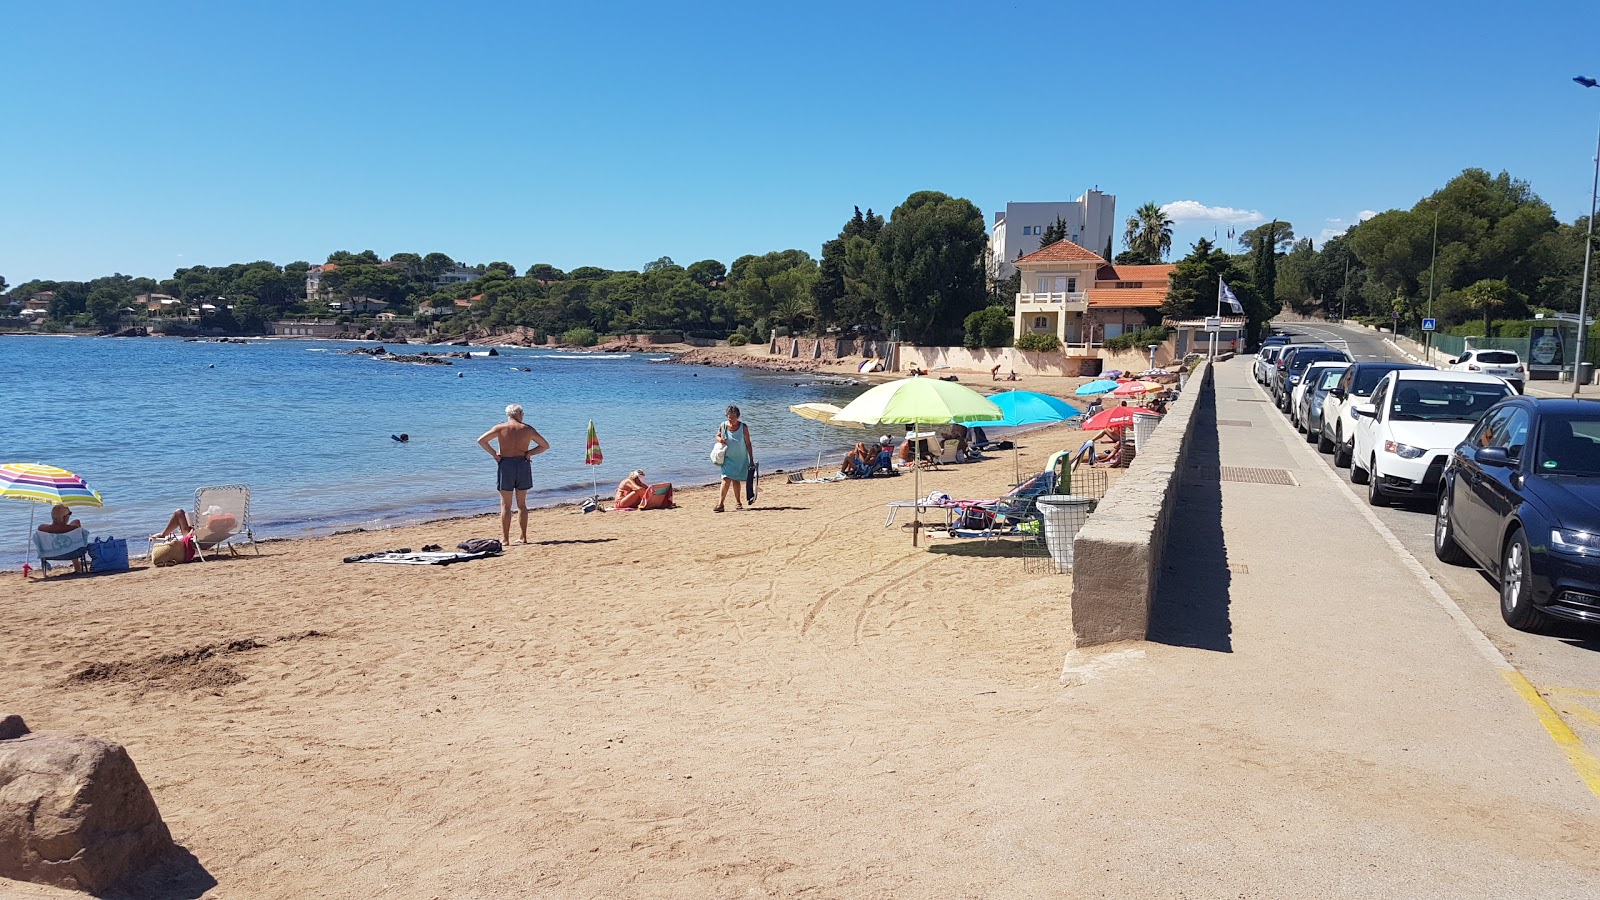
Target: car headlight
x=1404 y=451
x=1573 y=541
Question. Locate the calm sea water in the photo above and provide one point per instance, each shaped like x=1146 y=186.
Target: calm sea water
x=307 y=426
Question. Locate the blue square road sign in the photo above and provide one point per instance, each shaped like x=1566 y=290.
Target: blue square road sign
x=1429 y=325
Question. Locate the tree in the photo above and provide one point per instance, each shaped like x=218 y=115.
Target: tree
x=436 y=264
x=829 y=297
x=1264 y=262
x=1193 y=291
x=780 y=282
x=504 y=268
x=1106 y=254
x=1055 y=232
x=1488 y=298
x=988 y=327
x=929 y=269
x=1148 y=236
x=1282 y=235
x=664 y=262
x=1294 y=286
x=707 y=272
x=545 y=272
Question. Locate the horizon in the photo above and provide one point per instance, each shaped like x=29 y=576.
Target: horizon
x=502 y=134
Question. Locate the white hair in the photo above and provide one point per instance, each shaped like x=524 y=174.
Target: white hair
x=514 y=411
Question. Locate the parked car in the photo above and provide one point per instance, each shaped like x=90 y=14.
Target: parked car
x=1338 y=425
x=1504 y=363
x=1293 y=364
x=1265 y=360
x=1521 y=499
x=1407 y=430
x=1313 y=393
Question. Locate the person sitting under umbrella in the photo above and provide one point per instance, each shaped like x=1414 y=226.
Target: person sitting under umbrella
x=62 y=523
x=859 y=462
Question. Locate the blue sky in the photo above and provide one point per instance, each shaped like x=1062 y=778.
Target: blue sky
x=141 y=137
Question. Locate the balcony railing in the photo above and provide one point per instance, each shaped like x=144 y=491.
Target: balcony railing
x=1066 y=301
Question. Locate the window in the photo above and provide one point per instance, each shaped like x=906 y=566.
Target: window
x=1072 y=285
x=1044 y=284
x=1041 y=322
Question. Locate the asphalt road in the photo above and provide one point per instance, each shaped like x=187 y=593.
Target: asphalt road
x=1564 y=665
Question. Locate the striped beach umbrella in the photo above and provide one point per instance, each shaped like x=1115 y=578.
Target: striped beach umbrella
x=591 y=451
x=36 y=483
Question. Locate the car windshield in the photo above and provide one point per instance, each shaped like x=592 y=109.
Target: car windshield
x=1367 y=378
x=1498 y=357
x=1330 y=377
x=1443 y=401
x=1568 y=445
x=1301 y=360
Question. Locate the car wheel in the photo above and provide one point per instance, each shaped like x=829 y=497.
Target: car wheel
x=1323 y=444
x=1444 y=536
x=1376 y=495
x=1358 y=475
x=1341 y=452
x=1516 y=587
x=1312 y=435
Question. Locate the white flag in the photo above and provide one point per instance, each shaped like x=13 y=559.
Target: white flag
x=1229 y=297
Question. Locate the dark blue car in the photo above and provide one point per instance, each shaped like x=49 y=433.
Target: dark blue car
x=1521 y=498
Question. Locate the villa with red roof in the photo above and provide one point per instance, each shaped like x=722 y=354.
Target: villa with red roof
x=1082 y=299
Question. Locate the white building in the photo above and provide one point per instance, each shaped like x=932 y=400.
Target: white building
x=1091 y=222
x=458 y=275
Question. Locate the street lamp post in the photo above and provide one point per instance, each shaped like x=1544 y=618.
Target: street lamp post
x=1588 y=253
x=1433 y=261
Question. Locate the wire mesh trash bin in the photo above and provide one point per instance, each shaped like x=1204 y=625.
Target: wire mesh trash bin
x=1063 y=515
x=1143 y=427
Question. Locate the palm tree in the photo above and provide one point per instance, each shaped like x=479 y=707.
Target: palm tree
x=1149 y=233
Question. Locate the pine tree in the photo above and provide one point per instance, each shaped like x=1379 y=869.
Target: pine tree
x=1055 y=232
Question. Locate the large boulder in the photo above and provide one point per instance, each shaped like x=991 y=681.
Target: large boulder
x=74 y=812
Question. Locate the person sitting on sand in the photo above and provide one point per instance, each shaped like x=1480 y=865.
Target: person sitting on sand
x=1012 y=377
x=632 y=491
x=61 y=522
x=859 y=462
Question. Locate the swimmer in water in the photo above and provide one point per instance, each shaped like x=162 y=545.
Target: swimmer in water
x=402 y=438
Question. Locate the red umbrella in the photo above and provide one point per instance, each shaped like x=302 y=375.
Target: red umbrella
x=1115 y=417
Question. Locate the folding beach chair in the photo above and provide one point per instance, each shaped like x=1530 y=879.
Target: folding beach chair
x=221 y=518
x=61 y=549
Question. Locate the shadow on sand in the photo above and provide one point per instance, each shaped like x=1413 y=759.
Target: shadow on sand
x=1190 y=608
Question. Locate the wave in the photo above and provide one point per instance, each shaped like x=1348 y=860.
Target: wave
x=585 y=356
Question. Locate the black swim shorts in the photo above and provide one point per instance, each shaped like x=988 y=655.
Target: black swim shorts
x=515 y=474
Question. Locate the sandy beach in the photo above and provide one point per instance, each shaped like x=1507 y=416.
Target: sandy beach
x=787 y=701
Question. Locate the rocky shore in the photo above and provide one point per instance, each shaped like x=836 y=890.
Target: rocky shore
x=729 y=358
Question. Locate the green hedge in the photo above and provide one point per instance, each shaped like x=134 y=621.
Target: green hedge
x=737 y=340
x=1039 y=343
x=1139 y=340
x=582 y=337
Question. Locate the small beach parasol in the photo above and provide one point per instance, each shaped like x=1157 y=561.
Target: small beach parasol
x=822 y=412
x=1115 y=417
x=1028 y=408
x=1095 y=388
x=1136 y=389
x=593 y=457
x=914 y=401
x=36 y=483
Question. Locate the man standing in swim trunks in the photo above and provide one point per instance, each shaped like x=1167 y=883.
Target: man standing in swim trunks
x=519 y=443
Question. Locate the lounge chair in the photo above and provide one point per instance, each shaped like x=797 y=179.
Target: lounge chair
x=221 y=516
x=61 y=548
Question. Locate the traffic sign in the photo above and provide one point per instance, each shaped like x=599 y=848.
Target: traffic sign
x=1429 y=325
x=1213 y=323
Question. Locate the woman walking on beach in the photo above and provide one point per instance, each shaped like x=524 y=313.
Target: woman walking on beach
x=735 y=436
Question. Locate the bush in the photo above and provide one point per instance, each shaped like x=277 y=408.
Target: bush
x=737 y=340
x=581 y=337
x=1138 y=340
x=988 y=327
x=1039 y=343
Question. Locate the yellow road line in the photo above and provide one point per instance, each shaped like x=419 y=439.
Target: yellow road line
x=1587 y=766
x=1581 y=692
x=1583 y=714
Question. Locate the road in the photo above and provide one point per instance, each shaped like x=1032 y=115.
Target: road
x=1564 y=665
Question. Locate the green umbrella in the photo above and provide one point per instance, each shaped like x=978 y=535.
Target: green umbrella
x=913 y=401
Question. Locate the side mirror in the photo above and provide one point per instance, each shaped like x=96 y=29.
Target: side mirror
x=1454 y=361
x=1492 y=456
x=1364 y=411
x=1336 y=392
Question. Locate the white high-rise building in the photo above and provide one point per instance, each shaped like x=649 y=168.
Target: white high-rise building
x=1091 y=223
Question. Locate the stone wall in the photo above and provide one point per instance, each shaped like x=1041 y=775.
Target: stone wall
x=1010 y=359
x=1117 y=555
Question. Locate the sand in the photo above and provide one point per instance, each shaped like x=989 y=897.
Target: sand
x=786 y=701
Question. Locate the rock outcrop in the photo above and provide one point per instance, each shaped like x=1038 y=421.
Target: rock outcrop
x=75 y=813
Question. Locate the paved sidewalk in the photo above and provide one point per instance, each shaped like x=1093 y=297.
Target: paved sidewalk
x=1311 y=722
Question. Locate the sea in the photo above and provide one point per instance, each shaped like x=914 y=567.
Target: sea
x=310 y=427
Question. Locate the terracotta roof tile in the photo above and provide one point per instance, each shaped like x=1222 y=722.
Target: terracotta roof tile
x=1135 y=273
x=1126 y=298
x=1061 y=251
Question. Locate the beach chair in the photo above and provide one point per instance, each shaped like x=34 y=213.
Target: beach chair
x=221 y=518
x=61 y=548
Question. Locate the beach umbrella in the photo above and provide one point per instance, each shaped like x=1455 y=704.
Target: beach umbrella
x=1028 y=408
x=1136 y=389
x=593 y=457
x=824 y=413
x=35 y=483
x=1115 y=417
x=1094 y=388
x=914 y=401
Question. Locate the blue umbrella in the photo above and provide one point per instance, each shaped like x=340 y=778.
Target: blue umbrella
x=1102 y=386
x=1030 y=408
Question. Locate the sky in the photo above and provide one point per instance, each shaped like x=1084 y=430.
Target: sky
x=144 y=137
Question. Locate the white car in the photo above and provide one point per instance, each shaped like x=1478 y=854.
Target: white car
x=1503 y=363
x=1405 y=433
x=1308 y=378
x=1265 y=360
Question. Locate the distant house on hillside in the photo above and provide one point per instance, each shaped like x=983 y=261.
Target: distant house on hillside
x=458 y=275
x=1083 y=300
x=40 y=302
x=157 y=304
x=428 y=309
x=359 y=304
x=314 y=289
x=467 y=303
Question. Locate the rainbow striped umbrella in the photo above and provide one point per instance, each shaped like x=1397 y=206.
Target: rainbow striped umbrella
x=591 y=452
x=38 y=483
